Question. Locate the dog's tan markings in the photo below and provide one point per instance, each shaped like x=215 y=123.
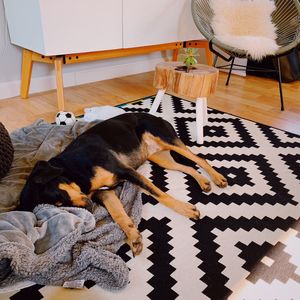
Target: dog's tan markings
x=185 y=209
x=135 y=158
x=117 y=212
x=76 y=197
x=165 y=160
x=102 y=178
x=75 y=187
x=152 y=142
x=180 y=148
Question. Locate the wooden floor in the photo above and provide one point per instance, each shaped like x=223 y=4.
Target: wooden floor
x=252 y=98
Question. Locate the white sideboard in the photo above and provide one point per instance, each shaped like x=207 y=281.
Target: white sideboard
x=56 y=27
x=63 y=32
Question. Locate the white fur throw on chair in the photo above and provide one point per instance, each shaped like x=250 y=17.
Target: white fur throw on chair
x=245 y=25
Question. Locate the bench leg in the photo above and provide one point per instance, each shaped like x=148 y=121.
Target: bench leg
x=175 y=54
x=201 y=118
x=58 y=62
x=208 y=54
x=156 y=102
x=26 y=73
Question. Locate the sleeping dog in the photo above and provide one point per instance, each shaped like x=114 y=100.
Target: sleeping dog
x=107 y=154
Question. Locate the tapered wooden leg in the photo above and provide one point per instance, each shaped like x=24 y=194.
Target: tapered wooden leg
x=58 y=62
x=209 y=55
x=175 y=54
x=26 y=73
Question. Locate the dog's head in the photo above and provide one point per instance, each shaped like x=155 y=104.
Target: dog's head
x=46 y=184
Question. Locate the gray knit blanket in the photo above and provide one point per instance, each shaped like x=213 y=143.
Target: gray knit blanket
x=51 y=245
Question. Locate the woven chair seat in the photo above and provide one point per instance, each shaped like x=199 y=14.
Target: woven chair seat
x=6 y=151
x=286 y=18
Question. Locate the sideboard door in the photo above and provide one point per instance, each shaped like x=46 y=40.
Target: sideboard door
x=72 y=26
x=157 y=22
x=53 y=27
x=150 y=22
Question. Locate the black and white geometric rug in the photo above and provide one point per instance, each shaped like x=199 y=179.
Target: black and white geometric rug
x=246 y=244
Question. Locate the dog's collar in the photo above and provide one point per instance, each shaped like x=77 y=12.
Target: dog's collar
x=107 y=188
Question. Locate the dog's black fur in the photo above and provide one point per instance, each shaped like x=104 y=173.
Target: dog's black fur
x=95 y=147
x=108 y=154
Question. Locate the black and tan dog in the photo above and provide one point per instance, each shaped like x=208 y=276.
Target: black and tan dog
x=107 y=154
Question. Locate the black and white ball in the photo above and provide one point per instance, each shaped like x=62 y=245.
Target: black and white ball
x=65 y=118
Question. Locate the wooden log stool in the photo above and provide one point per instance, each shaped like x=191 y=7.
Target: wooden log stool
x=196 y=85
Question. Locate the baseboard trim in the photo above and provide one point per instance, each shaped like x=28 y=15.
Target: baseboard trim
x=40 y=84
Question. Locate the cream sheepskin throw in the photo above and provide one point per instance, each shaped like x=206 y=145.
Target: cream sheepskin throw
x=245 y=25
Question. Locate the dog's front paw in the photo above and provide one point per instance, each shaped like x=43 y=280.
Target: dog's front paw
x=220 y=180
x=205 y=185
x=134 y=240
x=188 y=210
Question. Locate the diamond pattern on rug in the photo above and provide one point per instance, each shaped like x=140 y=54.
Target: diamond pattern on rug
x=246 y=244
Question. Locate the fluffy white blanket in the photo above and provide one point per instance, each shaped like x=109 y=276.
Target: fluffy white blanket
x=246 y=25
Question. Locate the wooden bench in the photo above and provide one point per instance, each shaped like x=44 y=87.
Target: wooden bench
x=29 y=57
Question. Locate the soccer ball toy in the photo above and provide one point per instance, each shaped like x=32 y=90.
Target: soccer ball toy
x=65 y=118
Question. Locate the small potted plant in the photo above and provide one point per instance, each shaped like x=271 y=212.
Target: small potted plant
x=188 y=58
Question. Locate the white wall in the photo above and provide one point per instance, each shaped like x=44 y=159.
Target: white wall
x=43 y=74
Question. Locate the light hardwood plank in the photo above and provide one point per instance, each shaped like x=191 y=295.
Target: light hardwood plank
x=252 y=98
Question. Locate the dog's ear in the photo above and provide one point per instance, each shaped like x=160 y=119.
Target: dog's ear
x=43 y=172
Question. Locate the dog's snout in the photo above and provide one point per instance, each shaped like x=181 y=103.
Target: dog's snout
x=89 y=204
x=87 y=200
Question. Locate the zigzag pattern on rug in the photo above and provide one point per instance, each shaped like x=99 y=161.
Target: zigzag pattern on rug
x=246 y=244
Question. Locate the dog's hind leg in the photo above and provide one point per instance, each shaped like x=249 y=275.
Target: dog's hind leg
x=165 y=160
x=181 y=149
x=186 y=209
x=115 y=208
